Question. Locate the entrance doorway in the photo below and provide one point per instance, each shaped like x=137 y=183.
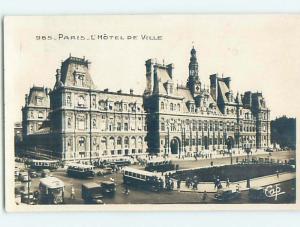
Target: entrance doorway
x=175 y=146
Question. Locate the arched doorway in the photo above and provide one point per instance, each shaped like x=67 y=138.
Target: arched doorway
x=230 y=143
x=175 y=146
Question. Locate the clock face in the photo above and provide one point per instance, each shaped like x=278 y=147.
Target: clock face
x=197 y=88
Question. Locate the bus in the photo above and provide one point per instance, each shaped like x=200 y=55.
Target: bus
x=43 y=164
x=159 y=165
x=51 y=190
x=141 y=178
x=80 y=171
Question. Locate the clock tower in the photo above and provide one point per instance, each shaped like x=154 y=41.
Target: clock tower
x=193 y=82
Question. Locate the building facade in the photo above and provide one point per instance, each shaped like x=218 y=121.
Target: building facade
x=82 y=122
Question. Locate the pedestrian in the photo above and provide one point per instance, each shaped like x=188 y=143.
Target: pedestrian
x=227 y=183
x=238 y=187
x=277 y=173
x=126 y=189
x=178 y=184
x=204 y=196
x=72 y=192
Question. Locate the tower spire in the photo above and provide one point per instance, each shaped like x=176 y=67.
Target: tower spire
x=193 y=80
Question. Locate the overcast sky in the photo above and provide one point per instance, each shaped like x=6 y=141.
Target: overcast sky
x=259 y=53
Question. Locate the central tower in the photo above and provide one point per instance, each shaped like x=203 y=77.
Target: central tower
x=193 y=82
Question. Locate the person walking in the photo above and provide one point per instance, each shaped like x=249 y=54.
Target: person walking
x=204 y=196
x=227 y=183
x=277 y=173
x=72 y=192
x=238 y=187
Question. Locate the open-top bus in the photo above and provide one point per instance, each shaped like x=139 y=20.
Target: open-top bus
x=80 y=171
x=51 y=190
x=141 y=178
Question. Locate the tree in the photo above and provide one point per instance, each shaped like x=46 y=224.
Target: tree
x=283 y=132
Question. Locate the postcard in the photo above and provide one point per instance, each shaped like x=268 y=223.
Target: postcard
x=151 y=112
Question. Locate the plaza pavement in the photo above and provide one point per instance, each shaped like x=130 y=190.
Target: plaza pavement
x=255 y=182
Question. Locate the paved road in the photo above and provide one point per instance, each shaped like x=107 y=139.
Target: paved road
x=137 y=196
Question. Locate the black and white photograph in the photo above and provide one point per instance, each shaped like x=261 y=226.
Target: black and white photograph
x=146 y=112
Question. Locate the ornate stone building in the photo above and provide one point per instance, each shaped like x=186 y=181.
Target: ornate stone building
x=87 y=123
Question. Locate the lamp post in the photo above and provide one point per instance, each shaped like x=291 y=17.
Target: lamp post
x=229 y=146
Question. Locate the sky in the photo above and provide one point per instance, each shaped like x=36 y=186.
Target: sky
x=258 y=52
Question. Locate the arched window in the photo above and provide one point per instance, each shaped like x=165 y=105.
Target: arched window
x=171 y=107
x=126 y=140
x=119 y=141
x=111 y=141
x=132 y=142
x=103 y=142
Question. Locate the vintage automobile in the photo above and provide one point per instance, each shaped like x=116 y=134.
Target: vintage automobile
x=91 y=193
x=108 y=187
x=28 y=198
x=226 y=195
x=257 y=194
x=80 y=171
x=51 y=190
x=46 y=173
x=33 y=174
x=23 y=176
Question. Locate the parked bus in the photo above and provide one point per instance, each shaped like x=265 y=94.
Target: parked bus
x=141 y=178
x=51 y=190
x=80 y=171
x=44 y=164
x=159 y=165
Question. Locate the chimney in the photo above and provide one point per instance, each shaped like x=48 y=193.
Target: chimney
x=214 y=86
x=106 y=90
x=131 y=91
x=119 y=91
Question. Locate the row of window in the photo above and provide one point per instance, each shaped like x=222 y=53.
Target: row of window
x=199 y=127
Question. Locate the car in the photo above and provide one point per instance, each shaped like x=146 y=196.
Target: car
x=108 y=187
x=226 y=195
x=23 y=176
x=28 y=198
x=269 y=149
x=257 y=194
x=33 y=174
x=46 y=173
x=91 y=193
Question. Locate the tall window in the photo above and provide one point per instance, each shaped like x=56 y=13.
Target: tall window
x=171 y=107
x=162 y=127
x=119 y=126
x=119 y=141
x=126 y=126
x=162 y=105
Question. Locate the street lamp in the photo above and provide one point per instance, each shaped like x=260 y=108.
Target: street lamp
x=229 y=146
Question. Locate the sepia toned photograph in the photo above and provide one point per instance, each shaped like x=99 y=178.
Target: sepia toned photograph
x=161 y=112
